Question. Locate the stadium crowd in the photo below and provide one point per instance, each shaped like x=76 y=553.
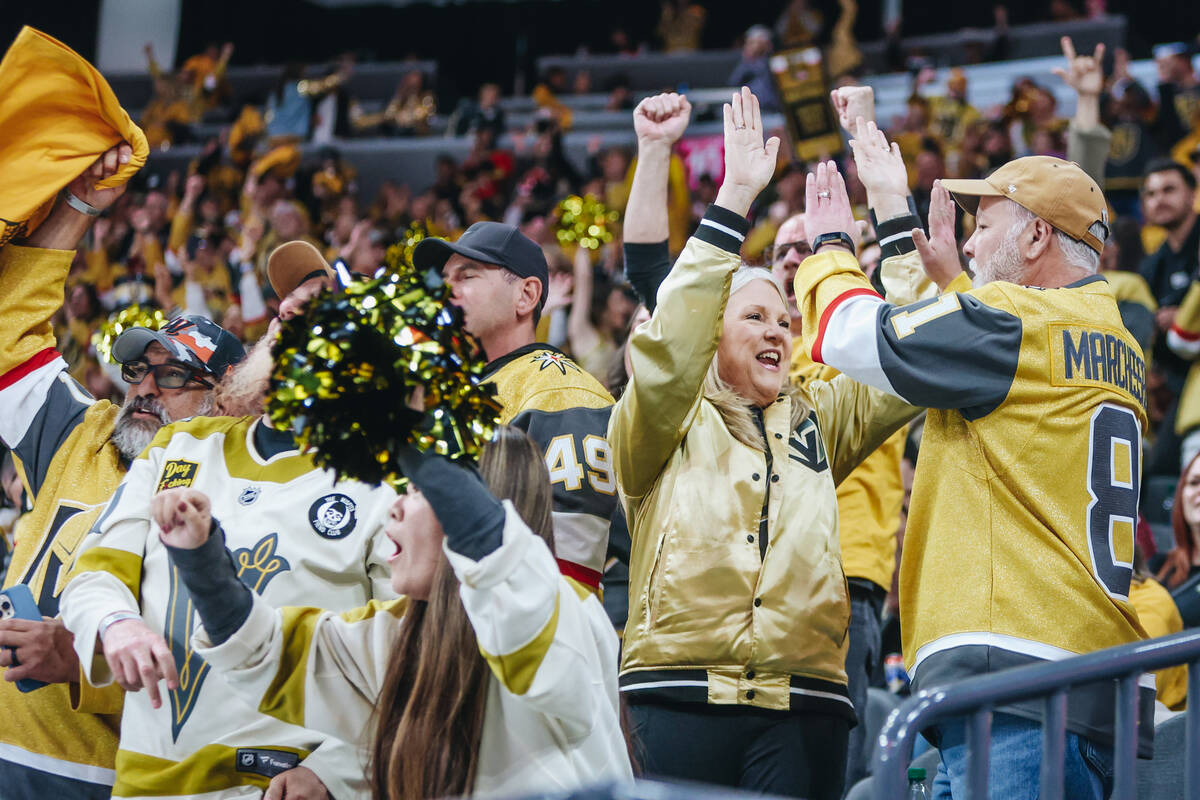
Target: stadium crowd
x=684 y=555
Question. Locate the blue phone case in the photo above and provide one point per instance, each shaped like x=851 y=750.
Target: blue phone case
x=22 y=607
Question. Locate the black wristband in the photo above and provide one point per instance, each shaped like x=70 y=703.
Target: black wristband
x=839 y=238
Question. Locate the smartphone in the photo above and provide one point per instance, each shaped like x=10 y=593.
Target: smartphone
x=17 y=602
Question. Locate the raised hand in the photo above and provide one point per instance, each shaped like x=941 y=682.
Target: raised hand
x=852 y=102
x=827 y=205
x=881 y=170
x=184 y=517
x=939 y=250
x=662 y=118
x=749 y=161
x=1084 y=74
x=559 y=294
x=84 y=186
x=193 y=188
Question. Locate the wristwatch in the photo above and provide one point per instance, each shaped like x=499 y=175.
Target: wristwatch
x=839 y=238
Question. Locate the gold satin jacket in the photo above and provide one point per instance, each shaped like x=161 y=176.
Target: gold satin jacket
x=710 y=618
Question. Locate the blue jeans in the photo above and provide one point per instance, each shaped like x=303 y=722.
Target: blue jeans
x=1014 y=768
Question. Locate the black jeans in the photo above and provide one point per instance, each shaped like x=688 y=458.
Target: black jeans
x=778 y=752
x=866 y=607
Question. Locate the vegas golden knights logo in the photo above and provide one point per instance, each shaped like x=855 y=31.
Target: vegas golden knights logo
x=256 y=567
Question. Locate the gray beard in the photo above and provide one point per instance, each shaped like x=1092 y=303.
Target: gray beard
x=1004 y=265
x=132 y=436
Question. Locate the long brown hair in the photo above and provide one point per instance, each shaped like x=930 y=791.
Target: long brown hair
x=432 y=702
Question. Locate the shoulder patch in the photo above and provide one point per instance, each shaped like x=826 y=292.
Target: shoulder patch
x=549 y=358
x=177 y=473
x=333 y=516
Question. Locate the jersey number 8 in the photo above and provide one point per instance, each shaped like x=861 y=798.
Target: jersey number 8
x=1113 y=476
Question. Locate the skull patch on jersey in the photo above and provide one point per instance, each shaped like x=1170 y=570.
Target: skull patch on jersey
x=333 y=516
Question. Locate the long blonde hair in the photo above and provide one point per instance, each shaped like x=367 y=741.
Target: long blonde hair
x=735 y=410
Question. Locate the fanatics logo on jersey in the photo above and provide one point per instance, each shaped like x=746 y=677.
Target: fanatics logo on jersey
x=548 y=358
x=177 y=473
x=249 y=495
x=267 y=763
x=333 y=516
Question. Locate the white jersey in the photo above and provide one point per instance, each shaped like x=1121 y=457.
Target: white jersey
x=552 y=719
x=297 y=537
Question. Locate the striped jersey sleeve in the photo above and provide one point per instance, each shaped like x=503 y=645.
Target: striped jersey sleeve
x=954 y=351
x=40 y=404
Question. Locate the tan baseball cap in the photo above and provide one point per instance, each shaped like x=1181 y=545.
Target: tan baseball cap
x=293 y=263
x=1058 y=191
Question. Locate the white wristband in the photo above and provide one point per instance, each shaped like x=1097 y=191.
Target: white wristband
x=80 y=206
x=114 y=618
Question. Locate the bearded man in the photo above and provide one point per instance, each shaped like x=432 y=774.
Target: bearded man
x=296 y=532
x=72 y=451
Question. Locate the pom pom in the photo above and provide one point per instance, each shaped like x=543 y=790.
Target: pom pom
x=346 y=368
x=133 y=316
x=584 y=221
x=415 y=232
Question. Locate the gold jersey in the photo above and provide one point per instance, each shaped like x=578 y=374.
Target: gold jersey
x=61 y=439
x=565 y=411
x=1020 y=535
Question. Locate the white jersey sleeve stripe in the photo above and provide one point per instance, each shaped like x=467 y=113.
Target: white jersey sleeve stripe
x=849 y=339
x=22 y=400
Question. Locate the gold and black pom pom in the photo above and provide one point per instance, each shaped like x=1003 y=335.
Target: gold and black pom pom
x=585 y=222
x=346 y=368
x=133 y=316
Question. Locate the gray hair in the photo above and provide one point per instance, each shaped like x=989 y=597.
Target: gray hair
x=1077 y=253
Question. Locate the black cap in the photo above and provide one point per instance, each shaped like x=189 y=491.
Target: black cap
x=490 y=243
x=192 y=340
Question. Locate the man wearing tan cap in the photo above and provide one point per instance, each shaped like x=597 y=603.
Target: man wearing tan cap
x=1021 y=525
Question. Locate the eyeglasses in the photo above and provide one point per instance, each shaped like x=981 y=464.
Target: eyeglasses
x=166 y=376
x=782 y=250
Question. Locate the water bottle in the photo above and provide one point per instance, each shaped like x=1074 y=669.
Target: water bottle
x=916 y=784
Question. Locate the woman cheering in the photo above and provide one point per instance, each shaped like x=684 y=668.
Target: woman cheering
x=734 y=652
x=492 y=675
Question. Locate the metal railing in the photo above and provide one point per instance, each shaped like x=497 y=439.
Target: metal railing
x=975 y=698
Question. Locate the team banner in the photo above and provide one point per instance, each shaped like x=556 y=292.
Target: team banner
x=803 y=90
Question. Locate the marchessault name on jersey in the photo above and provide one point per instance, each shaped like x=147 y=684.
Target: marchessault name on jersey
x=1098 y=356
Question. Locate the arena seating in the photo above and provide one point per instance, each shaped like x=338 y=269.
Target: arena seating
x=702 y=74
